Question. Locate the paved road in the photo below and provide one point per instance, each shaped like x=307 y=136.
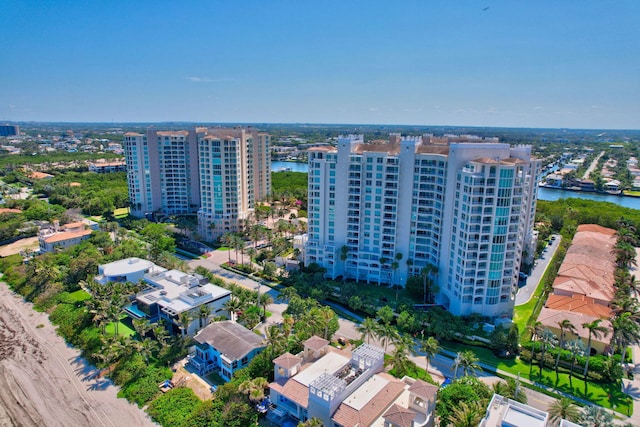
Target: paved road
x=526 y=292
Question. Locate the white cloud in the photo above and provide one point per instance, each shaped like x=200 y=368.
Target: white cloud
x=538 y=108
x=198 y=79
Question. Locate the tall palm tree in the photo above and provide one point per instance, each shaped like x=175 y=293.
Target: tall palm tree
x=430 y=347
x=466 y=414
x=563 y=409
x=265 y=300
x=626 y=331
x=233 y=306
x=368 y=329
x=468 y=361
x=565 y=326
x=576 y=348
x=387 y=333
x=286 y=294
x=548 y=340
x=426 y=271
x=534 y=330
x=203 y=314
x=595 y=331
x=184 y=320
x=400 y=356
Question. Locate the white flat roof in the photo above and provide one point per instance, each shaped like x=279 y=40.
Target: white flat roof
x=330 y=363
x=126 y=266
x=518 y=417
x=363 y=394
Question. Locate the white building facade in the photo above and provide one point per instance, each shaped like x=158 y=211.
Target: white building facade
x=380 y=213
x=217 y=173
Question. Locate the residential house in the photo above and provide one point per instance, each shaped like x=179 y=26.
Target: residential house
x=225 y=347
x=171 y=293
x=503 y=412
x=345 y=389
x=63 y=236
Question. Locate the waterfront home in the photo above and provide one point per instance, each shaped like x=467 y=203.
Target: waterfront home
x=225 y=347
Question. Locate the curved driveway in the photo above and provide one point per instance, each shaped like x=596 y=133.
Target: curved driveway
x=541 y=264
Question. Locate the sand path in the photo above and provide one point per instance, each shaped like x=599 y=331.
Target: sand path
x=44 y=382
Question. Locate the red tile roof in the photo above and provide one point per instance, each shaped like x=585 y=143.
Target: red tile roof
x=315 y=343
x=579 y=304
x=373 y=409
x=287 y=360
x=400 y=416
x=424 y=390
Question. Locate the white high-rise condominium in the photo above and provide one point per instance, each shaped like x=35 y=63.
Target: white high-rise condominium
x=381 y=213
x=218 y=173
x=234 y=174
x=162 y=172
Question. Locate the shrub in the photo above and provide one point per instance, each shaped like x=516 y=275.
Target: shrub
x=174 y=407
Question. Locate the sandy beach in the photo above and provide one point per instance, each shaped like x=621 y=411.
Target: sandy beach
x=44 y=382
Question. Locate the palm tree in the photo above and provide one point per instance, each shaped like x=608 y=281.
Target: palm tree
x=142 y=326
x=548 y=339
x=387 y=333
x=426 y=271
x=265 y=300
x=275 y=338
x=160 y=332
x=534 y=330
x=565 y=326
x=184 y=319
x=430 y=347
x=563 y=409
x=510 y=389
x=286 y=294
x=595 y=330
x=466 y=414
x=595 y=416
x=400 y=357
x=233 y=306
x=203 y=314
x=469 y=362
x=254 y=388
x=344 y=254
x=147 y=347
x=576 y=348
x=626 y=331
x=368 y=329
x=383 y=262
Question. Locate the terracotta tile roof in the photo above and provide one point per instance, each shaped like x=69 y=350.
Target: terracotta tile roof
x=399 y=416
x=579 y=304
x=550 y=318
x=433 y=149
x=287 y=360
x=589 y=288
x=424 y=390
x=324 y=148
x=596 y=228
x=348 y=416
x=9 y=210
x=589 y=266
x=315 y=342
x=378 y=148
x=292 y=390
x=67 y=235
x=39 y=175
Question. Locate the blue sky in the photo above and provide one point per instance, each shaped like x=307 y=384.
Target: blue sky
x=568 y=63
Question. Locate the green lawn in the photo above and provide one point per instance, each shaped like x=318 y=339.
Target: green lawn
x=385 y=295
x=123 y=329
x=78 y=296
x=606 y=395
x=121 y=212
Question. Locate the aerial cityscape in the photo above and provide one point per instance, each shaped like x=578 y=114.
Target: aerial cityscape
x=345 y=214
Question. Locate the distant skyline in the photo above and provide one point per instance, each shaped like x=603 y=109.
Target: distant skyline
x=544 y=64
